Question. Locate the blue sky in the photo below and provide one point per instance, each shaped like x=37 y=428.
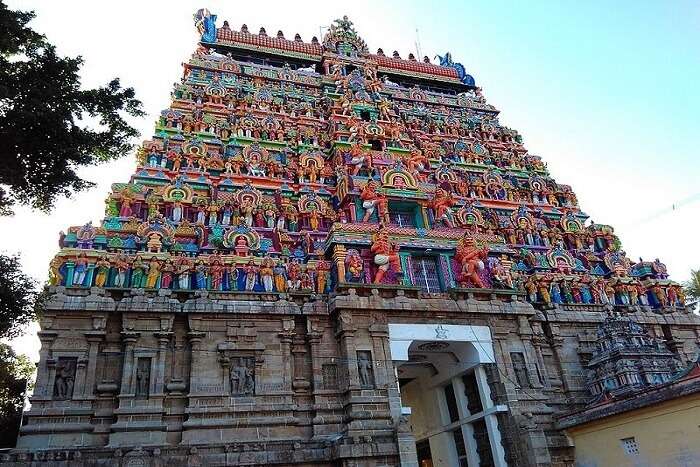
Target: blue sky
x=605 y=92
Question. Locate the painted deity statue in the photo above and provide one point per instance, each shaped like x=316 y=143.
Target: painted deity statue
x=280 y=276
x=216 y=270
x=247 y=209
x=471 y=261
x=314 y=220
x=232 y=276
x=267 y=274
x=80 y=270
x=125 y=208
x=543 y=290
x=441 y=204
x=121 y=264
x=358 y=158
x=305 y=281
x=354 y=267
x=386 y=255
x=138 y=273
x=182 y=269
x=201 y=275
x=154 y=268
x=323 y=274
x=177 y=211
x=417 y=161
x=251 y=275
x=166 y=275
x=293 y=275
x=103 y=267
x=371 y=199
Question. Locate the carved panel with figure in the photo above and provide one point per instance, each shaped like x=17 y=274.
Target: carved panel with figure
x=242 y=376
x=64 y=382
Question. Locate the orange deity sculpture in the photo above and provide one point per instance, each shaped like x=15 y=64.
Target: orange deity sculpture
x=323 y=274
x=471 y=259
x=354 y=266
x=441 y=204
x=371 y=200
x=417 y=161
x=358 y=158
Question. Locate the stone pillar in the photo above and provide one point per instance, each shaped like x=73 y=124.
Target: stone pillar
x=43 y=389
x=537 y=343
x=286 y=338
x=346 y=334
x=159 y=380
x=535 y=441
x=557 y=346
x=80 y=380
x=406 y=444
x=491 y=422
x=394 y=393
x=226 y=369
x=94 y=338
x=379 y=333
x=195 y=338
x=69 y=273
x=314 y=338
x=129 y=339
x=299 y=356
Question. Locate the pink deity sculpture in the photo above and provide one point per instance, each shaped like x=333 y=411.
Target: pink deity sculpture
x=125 y=208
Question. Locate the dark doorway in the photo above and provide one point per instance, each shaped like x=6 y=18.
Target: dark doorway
x=425 y=458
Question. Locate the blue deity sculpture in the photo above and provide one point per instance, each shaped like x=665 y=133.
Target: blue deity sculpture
x=446 y=61
x=555 y=293
x=205 y=23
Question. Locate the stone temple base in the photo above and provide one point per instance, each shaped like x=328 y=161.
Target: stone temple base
x=149 y=379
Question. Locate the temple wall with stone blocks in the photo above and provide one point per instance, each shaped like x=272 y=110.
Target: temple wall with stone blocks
x=159 y=375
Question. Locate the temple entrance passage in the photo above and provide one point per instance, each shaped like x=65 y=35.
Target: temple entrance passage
x=445 y=395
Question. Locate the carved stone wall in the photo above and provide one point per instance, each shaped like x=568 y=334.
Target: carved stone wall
x=154 y=379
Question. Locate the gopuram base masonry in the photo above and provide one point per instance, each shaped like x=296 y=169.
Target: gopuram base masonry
x=329 y=257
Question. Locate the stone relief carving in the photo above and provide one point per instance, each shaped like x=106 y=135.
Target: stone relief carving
x=99 y=323
x=143 y=377
x=329 y=372
x=65 y=378
x=364 y=368
x=242 y=376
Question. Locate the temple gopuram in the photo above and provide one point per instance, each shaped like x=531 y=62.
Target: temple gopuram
x=332 y=257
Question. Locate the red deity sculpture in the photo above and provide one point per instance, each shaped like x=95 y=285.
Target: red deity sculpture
x=216 y=270
x=386 y=255
x=242 y=248
x=293 y=275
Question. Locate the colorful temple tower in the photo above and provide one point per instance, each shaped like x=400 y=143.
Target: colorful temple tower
x=330 y=257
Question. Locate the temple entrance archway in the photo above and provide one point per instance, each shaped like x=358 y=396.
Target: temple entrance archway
x=444 y=396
